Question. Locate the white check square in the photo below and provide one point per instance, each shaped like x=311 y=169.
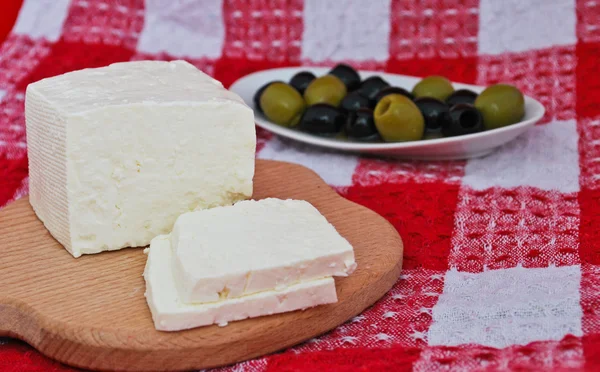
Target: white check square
x=517 y=25
x=42 y=18
x=336 y=169
x=354 y=30
x=545 y=157
x=499 y=308
x=182 y=28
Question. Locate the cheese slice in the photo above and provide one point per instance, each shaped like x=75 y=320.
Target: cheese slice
x=170 y=314
x=254 y=246
x=117 y=153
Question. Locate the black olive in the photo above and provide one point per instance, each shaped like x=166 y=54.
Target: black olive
x=259 y=92
x=392 y=90
x=435 y=112
x=301 y=80
x=354 y=100
x=322 y=119
x=360 y=125
x=347 y=75
x=371 y=86
x=463 y=119
x=461 y=96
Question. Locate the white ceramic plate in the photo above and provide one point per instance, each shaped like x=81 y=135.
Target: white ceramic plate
x=461 y=147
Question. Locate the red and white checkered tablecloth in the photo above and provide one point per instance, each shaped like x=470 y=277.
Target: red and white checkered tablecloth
x=502 y=259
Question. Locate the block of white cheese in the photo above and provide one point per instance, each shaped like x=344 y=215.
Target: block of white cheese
x=254 y=246
x=170 y=314
x=117 y=153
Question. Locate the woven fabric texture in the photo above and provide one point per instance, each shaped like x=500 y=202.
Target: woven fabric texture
x=502 y=254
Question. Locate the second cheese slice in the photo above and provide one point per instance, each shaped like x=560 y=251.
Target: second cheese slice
x=169 y=314
x=254 y=246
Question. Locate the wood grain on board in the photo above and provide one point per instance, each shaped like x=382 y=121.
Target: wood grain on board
x=91 y=312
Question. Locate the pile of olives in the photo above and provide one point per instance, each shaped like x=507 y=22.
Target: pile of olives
x=340 y=104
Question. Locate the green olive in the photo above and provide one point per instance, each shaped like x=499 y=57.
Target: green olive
x=432 y=135
x=433 y=86
x=397 y=118
x=325 y=89
x=341 y=136
x=282 y=104
x=500 y=105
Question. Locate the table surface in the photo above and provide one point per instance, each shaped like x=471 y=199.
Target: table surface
x=501 y=264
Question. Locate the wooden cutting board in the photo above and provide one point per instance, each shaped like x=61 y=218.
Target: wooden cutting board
x=91 y=312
